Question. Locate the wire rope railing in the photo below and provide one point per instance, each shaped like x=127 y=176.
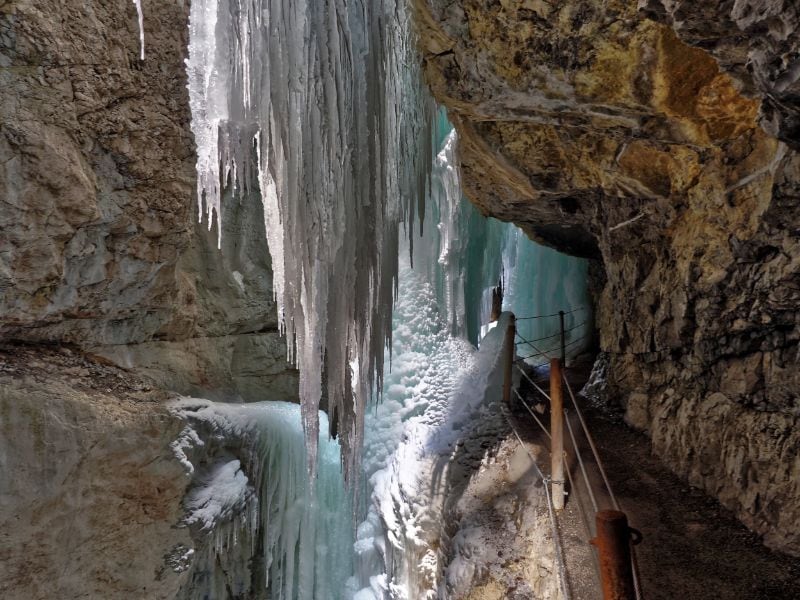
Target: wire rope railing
x=558 y=547
x=612 y=523
x=595 y=453
x=532 y=382
x=547 y=352
x=558 y=314
x=547 y=337
x=615 y=502
x=581 y=464
x=533 y=414
x=576 y=449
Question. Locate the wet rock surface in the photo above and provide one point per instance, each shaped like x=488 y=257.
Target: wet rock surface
x=628 y=137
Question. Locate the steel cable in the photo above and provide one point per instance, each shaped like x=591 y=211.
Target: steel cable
x=544 y=353
x=566 y=312
x=557 y=547
x=580 y=462
x=634 y=564
x=590 y=439
x=532 y=382
x=547 y=337
x=535 y=418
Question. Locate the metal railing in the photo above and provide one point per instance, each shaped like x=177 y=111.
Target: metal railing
x=614 y=539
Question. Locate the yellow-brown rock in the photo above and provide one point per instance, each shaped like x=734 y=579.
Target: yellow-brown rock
x=607 y=133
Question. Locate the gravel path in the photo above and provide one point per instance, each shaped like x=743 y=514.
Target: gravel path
x=693 y=548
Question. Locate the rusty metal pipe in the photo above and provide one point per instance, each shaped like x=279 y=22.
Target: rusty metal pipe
x=557 y=433
x=613 y=543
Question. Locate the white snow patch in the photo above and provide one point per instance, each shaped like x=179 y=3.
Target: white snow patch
x=224 y=493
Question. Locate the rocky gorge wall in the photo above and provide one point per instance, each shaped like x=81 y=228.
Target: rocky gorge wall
x=100 y=242
x=103 y=264
x=660 y=141
x=90 y=492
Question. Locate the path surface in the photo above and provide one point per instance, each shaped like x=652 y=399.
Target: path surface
x=693 y=548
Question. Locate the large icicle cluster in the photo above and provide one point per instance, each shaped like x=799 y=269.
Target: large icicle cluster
x=318 y=106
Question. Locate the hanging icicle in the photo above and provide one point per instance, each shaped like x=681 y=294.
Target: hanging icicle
x=140 y=17
x=320 y=106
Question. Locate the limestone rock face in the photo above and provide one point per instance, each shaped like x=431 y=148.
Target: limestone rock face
x=756 y=41
x=602 y=133
x=99 y=239
x=96 y=172
x=90 y=492
x=222 y=341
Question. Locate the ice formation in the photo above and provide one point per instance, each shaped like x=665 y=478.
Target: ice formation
x=460 y=250
x=439 y=407
x=251 y=494
x=464 y=255
x=140 y=17
x=426 y=365
x=266 y=528
x=319 y=108
x=439 y=387
x=541 y=282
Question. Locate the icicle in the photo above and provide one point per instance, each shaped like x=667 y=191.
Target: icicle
x=321 y=104
x=140 y=15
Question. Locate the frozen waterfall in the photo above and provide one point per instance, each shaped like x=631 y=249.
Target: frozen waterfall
x=268 y=531
x=319 y=107
x=440 y=397
x=463 y=255
x=265 y=531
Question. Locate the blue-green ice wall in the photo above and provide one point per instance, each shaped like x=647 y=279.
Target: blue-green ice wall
x=465 y=254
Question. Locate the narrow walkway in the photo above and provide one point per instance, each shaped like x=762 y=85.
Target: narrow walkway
x=693 y=548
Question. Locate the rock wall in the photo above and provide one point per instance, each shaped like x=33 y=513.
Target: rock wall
x=756 y=42
x=101 y=251
x=100 y=243
x=602 y=133
x=90 y=491
x=96 y=158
